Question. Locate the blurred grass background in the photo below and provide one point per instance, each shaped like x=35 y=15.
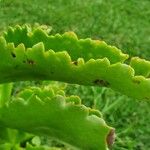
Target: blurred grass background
x=123 y=23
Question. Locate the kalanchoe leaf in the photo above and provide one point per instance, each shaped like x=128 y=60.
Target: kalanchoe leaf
x=30 y=147
x=141 y=66
x=35 y=55
x=76 y=48
x=64 y=118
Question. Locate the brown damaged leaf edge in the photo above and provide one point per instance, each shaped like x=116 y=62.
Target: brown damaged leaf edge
x=111 y=138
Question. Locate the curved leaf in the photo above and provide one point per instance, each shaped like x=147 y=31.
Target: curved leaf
x=35 y=55
x=47 y=112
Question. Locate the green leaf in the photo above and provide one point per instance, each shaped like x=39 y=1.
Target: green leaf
x=5 y=93
x=141 y=66
x=30 y=147
x=36 y=55
x=46 y=112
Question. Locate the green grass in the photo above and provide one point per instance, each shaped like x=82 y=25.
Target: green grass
x=122 y=23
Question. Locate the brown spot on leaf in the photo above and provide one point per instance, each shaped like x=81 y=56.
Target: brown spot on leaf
x=101 y=82
x=13 y=55
x=31 y=62
x=28 y=61
x=75 y=63
x=111 y=137
x=137 y=81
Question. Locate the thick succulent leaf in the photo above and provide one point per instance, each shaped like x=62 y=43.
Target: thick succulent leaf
x=47 y=112
x=35 y=55
x=76 y=48
x=141 y=66
x=30 y=147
